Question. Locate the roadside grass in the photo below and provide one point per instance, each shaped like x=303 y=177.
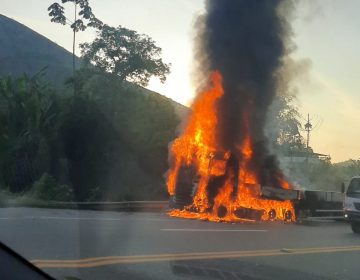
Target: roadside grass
x=8 y=199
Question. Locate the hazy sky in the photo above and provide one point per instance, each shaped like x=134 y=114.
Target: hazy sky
x=326 y=33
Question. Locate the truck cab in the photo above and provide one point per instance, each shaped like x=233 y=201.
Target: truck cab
x=352 y=204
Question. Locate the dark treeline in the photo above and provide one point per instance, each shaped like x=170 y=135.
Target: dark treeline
x=108 y=141
x=98 y=136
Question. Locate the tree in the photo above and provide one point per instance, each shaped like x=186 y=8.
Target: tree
x=131 y=56
x=284 y=125
x=82 y=19
x=122 y=131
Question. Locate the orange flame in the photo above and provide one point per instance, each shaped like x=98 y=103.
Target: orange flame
x=198 y=139
x=198 y=147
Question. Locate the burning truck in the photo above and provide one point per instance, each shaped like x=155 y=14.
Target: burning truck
x=220 y=166
x=209 y=182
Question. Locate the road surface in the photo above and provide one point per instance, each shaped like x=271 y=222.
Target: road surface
x=119 y=245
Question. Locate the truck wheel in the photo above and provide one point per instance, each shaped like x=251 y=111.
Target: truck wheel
x=355 y=226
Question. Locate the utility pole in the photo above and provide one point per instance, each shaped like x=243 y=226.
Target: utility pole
x=74 y=37
x=308 y=128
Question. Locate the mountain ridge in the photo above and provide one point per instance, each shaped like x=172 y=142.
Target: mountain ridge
x=23 y=50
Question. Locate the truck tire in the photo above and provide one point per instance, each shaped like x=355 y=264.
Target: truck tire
x=355 y=226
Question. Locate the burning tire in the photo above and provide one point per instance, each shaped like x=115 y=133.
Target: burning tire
x=184 y=188
x=221 y=211
x=272 y=215
x=288 y=216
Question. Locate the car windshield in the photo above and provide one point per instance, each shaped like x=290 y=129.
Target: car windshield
x=354 y=186
x=179 y=139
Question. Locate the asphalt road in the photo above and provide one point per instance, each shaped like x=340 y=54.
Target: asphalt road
x=118 y=245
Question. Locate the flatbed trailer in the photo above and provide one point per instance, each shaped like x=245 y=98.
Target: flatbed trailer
x=319 y=205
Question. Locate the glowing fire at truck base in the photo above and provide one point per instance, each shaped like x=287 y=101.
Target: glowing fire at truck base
x=208 y=183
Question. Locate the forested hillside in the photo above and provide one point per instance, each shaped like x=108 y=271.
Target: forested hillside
x=108 y=140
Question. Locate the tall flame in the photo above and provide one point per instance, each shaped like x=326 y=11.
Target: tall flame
x=198 y=149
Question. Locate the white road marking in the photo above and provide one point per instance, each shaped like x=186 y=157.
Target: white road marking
x=167 y=219
x=213 y=230
x=88 y=218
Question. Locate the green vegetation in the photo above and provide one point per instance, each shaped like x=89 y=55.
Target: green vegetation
x=98 y=136
x=131 y=130
x=323 y=175
x=284 y=126
x=29 y=122
x=108 y=142
x=131 y=56
x=83 y=18
x=47 y=188
x=303 y=167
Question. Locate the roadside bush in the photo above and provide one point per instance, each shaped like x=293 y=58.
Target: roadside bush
x=95 y=194
x=5 y=195
x=2 y=199
x=47 y=188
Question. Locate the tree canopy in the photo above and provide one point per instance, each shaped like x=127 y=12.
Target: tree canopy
x=83 y=18
x=283 y=127
x=131 y=56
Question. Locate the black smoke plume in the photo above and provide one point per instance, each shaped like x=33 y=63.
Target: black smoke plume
x=246 y=40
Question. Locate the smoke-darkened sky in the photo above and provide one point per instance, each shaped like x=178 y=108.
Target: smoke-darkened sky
x=326 y=32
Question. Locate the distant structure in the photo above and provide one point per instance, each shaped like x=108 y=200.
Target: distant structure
x=308 y=128
x=306 y=156
x=297 y=157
